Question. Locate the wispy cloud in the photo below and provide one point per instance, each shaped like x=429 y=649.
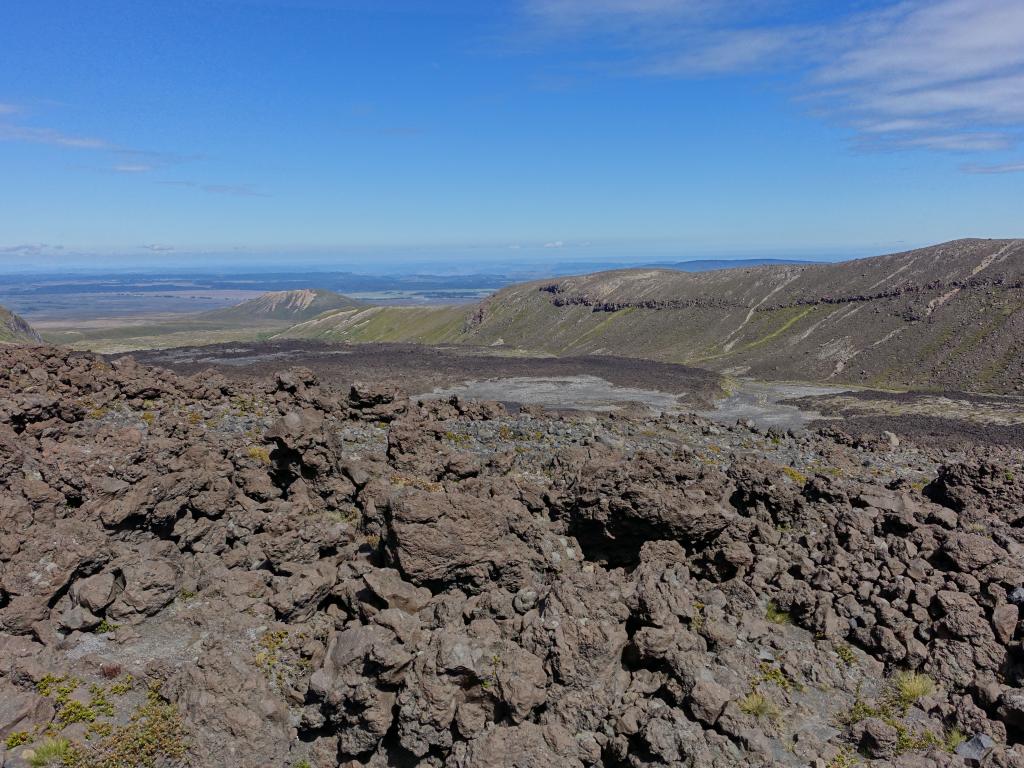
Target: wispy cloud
x=235 y=190
x=133 y=168
x=29 y=249
x=994 y=169
x=49 y=136
x=155 y=248
x=582 y=12
x=123 y=160
x=944 y=75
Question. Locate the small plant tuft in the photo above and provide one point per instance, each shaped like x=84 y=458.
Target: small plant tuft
x=776 y=615
x=910 y=687
x=259 y=453
x=123 y=686
x=17 y=738
x=795 y=475
x=52 y=752
x=758 y=705
x=846 y=654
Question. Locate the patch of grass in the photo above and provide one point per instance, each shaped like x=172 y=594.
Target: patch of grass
x=259 y=453
x=758 y=705
x=795 y=475
x=904 y=689
x=52 y=752
x=149 y=417
x=776 y=615
x=843 y=759
x=910 y=687
x=954 y=738
x=769 y=674
x=845 y=654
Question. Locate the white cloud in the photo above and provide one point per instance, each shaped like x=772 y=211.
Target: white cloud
x=554 y=244
x=945 y=75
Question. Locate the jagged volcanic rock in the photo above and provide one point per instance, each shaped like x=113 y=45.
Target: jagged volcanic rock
x=283 y=572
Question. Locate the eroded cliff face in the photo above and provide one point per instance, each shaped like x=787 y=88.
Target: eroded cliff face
x=202 y=572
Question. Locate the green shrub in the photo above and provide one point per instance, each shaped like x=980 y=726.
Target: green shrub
x=17 y=738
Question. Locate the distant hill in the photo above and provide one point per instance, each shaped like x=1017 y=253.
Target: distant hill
x=282 y=306
x=15 y=330
x=707 y=265
x=949 y=316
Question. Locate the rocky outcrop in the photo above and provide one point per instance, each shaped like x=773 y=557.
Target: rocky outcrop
x=282 y=572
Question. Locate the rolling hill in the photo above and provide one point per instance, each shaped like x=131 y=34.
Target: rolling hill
x=949 y=316
x=15 y=330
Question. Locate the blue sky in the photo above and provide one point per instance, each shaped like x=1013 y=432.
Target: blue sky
x=485 y=130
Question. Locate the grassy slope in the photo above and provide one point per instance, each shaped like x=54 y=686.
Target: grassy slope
x=423 y=325
x=973 y=338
